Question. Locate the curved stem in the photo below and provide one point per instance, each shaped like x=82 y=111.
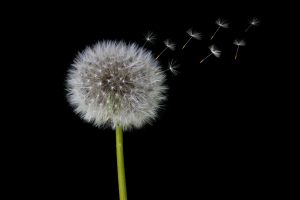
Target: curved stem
x=120 y=163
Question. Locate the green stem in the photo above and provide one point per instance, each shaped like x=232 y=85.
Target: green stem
x=120 y=162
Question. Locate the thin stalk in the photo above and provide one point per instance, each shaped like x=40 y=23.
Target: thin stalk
x=120 y=163
x=248 y=27
x=187 y=42
x=237 y=50
x=144 y=43
x=215 y=33
x=161 y=53
x=205 y=58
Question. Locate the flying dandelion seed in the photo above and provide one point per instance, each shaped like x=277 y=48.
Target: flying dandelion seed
x=238 y=43
x=253 y=22
x=192 y=34
x=149 y=37
x=214 y=51
x=173 y=66
x=168 y=45
x=221 y=24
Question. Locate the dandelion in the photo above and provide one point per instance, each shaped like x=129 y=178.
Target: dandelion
x=238 y=43
x=168 y=45
x=149 y=37
x=116 y=85
x=253 y=22
x=192 y=34
x=220 y=23
x=213 y=51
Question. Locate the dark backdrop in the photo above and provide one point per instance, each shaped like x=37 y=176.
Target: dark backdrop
x=210 y=140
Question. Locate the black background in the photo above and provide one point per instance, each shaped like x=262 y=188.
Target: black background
x=210 y=139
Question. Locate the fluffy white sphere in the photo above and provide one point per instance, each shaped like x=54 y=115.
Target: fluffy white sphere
x=114 y=83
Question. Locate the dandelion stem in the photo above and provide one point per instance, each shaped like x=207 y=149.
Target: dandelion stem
x=120 y=163
x=187 y=42
x=237 y=50
x=205 y=58
x=248 y=27
x=161 y=53
x=215 y=33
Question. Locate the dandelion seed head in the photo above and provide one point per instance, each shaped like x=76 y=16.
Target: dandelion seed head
x=215 y=51
x=222 y=23
x=239 y=42
x=173 y=67
x=194 y=34
x=170 y=45
x=128 y=90
x=254 y=21
x=150 y=37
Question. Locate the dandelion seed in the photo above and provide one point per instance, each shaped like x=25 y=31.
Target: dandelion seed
x=149 y=37
x=173 y=67
x=213 y=51
x=168 y=45
x=192 y=34
x=238 y=43
x=253 y=22
x=220 y=23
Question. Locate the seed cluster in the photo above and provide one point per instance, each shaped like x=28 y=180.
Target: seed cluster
x=111 y=85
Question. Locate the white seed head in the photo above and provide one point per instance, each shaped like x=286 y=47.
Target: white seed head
x=169 y=44
x=254 y=21
x=239 y=42
x=215 y=51
x=127 y=91
x=194 y=34
x=150 y=37
x=173 y=67
x=222 y=23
